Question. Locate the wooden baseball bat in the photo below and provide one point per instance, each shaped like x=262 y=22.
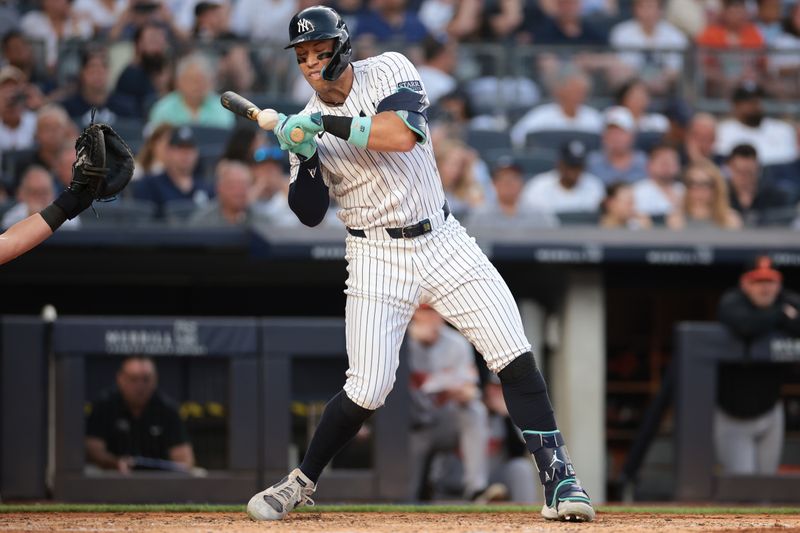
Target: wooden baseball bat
x=267 y=118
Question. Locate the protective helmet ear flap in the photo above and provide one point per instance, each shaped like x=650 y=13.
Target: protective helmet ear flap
x=342 y=51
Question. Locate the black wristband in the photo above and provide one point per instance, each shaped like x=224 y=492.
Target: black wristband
x=54 y=216
x=73 y=203
x=337 y=126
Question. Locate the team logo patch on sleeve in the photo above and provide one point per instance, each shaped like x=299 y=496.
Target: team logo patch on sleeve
x=414 y=85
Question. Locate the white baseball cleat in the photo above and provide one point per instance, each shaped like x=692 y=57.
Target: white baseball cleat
x=277 y=501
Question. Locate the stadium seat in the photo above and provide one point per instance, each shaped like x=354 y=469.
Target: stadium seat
x=785 y=176
x=483 y=140
x=553 y=139
x=536 y=164
x=211 y=141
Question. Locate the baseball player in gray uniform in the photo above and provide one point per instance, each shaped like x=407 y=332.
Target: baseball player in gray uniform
x=366 y=143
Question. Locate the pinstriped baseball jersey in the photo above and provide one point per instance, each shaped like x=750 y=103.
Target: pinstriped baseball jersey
x=389 y=277
x=377 y=189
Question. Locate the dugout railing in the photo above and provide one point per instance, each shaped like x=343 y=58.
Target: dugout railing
x=273 y=365
x=700 y=349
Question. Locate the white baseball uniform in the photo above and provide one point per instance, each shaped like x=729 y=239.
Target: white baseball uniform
x=388 y=278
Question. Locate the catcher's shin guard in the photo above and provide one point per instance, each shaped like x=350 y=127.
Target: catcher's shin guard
x=564 y=497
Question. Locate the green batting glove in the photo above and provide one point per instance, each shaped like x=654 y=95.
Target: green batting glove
x=310 y=125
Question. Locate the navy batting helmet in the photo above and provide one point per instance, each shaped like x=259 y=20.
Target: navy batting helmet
x=318 y=23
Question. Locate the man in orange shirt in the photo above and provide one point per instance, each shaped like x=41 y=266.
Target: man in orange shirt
x=736 y=32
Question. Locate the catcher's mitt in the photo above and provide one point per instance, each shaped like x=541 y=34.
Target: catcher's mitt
x=104 y=164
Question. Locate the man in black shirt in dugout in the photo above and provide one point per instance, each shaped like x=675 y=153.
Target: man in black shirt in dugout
x=135 y=426
x=749 y=422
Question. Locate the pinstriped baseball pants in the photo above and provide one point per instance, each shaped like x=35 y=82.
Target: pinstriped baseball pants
x=388 y=278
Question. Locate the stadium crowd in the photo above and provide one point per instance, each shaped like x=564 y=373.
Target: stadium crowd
x=619 y=113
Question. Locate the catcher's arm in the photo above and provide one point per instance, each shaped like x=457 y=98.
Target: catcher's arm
x=103 y=168
x=23 y=236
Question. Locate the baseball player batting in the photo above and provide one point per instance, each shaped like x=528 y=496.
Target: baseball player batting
x=367 y=142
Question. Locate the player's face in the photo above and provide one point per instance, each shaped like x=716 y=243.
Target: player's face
x=312 y=57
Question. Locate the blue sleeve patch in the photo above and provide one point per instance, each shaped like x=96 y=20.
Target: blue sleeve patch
x=414 y=85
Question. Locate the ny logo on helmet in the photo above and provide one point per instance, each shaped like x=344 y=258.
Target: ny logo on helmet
x=304 y=25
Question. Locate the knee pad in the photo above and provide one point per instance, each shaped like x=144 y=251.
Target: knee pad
x=520 y=368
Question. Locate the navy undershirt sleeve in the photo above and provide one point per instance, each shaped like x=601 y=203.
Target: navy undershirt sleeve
x=308 y=194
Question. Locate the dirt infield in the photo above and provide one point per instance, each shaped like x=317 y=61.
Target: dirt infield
x=387 y=522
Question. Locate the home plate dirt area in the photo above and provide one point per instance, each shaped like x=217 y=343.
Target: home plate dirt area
x=387 y=521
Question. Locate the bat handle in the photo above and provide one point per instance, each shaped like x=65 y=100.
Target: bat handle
x=297 y=135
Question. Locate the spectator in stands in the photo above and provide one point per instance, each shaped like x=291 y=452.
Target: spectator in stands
x=749 y=420
x=35 y=192
x=691 y=16
x=263 y=22
x=733 y=29
x=508 y=182
x=568 y=112
x=510 y=459
x=18 y=52
x=750 y=196
x=243 y=141
x=650 y=33
x=768 y=20
x=635 y=97
x=441 y=59
x=52 y=127
x=568 y=188
x=102 y=13
x=389 y=21
x=147 y=76
x=730 y=44
x=456 y=163
x=62 y=172
x=17 y=124
x=786 y=60
x=270 y=190
x=661 y=193
x=235 y=71
x=447 y=411
x=701 y=137
x=774 y=140
x=618 y=209
x=211 y=22
x=194 y=100
x=151 y=157
x=54 y=24
x=618 y=159
x=446 y=19
x=565 y=26
x=705 y=203
x=231 y=207
x=92 y=93
x=177 y=182
x=141 y=13
x=136 y=426
x=9 y=16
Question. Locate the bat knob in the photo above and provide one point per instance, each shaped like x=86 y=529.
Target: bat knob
x=297 y=135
